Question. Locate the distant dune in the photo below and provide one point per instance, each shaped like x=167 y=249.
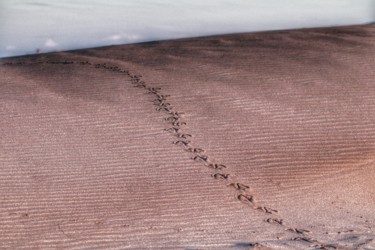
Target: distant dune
x=245 y=141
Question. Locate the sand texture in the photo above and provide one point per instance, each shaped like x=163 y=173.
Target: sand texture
x=244 y=141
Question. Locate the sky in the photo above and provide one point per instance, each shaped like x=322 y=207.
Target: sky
x=28 y=26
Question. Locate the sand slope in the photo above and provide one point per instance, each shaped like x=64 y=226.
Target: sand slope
x=262 y=140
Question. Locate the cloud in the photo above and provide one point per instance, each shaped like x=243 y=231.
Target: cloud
x=50 y=43
x=124 y=37
x=114 y=37
x=133 y=37
x=10 y=47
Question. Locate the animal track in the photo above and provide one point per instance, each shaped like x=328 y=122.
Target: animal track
x=184 y=143
x=185 y=136
x=298 y=231
x=217 y=166
x=221 y=176
x=267 y=210
x=246 y=198
x=201 y=158
x=178 y=124
x=195 y=150
x=325 y=246
x=239 y=186
x=275 y=221
x=305 y=239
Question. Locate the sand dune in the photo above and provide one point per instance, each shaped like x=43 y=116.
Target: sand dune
x=260 y=141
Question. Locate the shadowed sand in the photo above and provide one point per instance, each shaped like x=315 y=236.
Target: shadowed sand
x=260 y=141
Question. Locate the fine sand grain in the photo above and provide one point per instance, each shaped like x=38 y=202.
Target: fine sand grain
x=246 y=141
